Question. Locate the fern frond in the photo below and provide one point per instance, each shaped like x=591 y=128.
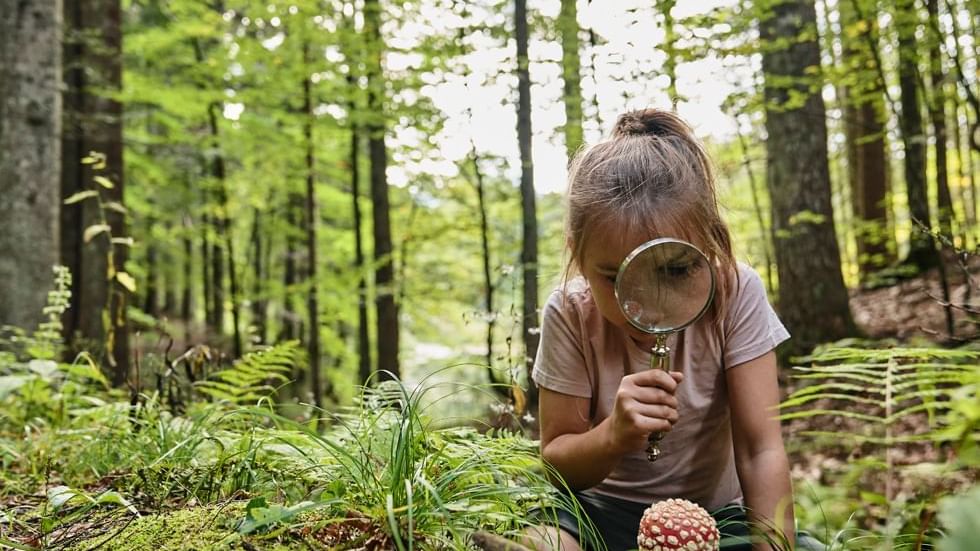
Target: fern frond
x=254 y=377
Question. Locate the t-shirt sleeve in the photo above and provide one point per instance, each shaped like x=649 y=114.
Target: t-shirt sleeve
x=560 y=364
x=752 y=327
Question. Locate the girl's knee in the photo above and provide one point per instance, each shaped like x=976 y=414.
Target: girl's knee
x=549 y=538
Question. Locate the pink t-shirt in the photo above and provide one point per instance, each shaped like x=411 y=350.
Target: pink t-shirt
x=582 y=354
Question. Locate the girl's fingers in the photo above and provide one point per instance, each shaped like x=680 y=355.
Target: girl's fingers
x=657 y=378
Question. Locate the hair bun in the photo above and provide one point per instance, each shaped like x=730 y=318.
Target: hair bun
x=650 y=122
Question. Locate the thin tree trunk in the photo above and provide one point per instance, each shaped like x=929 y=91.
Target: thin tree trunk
x=290 y=318
x=224 y=228
x=152 y=299
x=760 y=217
x=571 y=69
x=260 y=304
x=385 y=284
x=312 y=217
x=488 y=286
x=529 y=240
x=866 y=158
x=30 y=156
x=187 y=294
x=937 y=116
x=593 y=46
x=207 y=290
x=668 y=47
x=363 y=337
x=922 y=249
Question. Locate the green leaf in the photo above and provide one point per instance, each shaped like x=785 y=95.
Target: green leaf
x=958 y=515
x=60 y=495
x=126 y=281
x=104 y=182
x=116 y=206
x=81 y=196
x=94 y=230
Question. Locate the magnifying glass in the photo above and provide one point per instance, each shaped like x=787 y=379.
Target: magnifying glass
x=663 y=286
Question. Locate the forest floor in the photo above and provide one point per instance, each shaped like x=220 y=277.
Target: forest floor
x=908 y=312
x=911 y=311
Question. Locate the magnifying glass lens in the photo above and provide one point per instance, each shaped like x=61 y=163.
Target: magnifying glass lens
x=664 y=285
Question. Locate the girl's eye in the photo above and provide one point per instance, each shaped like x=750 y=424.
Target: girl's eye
x=681 y=271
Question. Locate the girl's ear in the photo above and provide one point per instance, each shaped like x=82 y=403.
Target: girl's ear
x=569 y=243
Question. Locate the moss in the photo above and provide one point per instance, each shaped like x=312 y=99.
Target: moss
x=210 y=527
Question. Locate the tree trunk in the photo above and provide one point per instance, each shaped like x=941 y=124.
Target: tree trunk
x=290 y=317
x=260 y=304
x=312 y=303
x=865 y=138
x=363 y=338
x=937 y=118
x=223 y=225
x=529 y=241
x=207 y=291
x=93 y=122
x=922 y=250
x=152 y=298
x=384 y=275
x=187 y=292
x=30 y=156
x=813 y=301
x=488 y=287
x=668 y=47
x=571 y=69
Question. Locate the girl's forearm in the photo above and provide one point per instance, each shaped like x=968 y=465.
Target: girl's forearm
x=768 y=495
x=583 y=460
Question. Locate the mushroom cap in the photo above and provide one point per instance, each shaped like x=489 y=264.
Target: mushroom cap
x=677 y=524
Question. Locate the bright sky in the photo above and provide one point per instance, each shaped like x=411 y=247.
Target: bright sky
x=628 y=64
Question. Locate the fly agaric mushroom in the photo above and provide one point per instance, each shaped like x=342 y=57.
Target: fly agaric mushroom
x=677 y=524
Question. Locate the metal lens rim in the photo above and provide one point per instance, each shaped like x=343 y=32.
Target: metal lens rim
x=638 y=251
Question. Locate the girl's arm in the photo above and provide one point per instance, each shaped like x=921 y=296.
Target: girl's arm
x=584 y=455
x=760 y=458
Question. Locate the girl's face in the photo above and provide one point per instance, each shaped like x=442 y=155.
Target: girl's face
x=602 y=254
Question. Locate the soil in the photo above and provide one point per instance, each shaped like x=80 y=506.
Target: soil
x=912 y=310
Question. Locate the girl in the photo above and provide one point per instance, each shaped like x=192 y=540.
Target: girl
x=599 y=400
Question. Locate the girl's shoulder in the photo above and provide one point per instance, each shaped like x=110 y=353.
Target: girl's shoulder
x=571 y=297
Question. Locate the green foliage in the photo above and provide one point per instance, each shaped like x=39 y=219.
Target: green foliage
x=254 y=377
x=958 y=515
x=878 y=402
x=880 y=387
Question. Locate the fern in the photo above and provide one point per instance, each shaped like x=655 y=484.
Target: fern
x=253 y=378
x=877 y=389
x=884 y=386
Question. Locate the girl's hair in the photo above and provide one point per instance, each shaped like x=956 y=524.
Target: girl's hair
x=651 y=177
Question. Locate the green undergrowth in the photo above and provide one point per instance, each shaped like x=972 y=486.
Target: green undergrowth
x=208 y=527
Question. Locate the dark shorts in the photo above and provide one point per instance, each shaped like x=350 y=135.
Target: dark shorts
x=615 y=522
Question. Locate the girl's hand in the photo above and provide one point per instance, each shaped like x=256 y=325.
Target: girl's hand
x=645 y=404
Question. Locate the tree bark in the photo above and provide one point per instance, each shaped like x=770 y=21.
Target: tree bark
x=937 y=118
x=529 y=239
x=30 y=156
x=384 y=274
x=363 y=337
x=93 y=122
x=922 y=249
x=571 y=76
x=813 y=301
x=312 y=217
x=260 y=304
x=865 y=138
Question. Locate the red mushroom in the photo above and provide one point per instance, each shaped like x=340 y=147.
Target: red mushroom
x=677 y=524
